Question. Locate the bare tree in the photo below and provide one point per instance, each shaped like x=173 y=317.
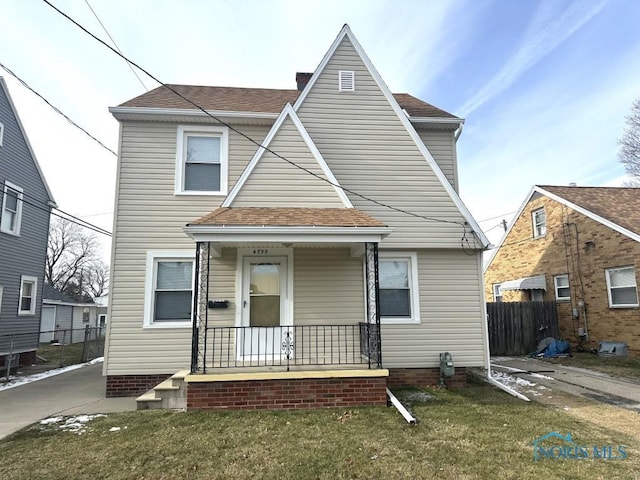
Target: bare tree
x=629 y=153
x=73 y=264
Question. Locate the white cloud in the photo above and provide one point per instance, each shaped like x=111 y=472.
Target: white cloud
x=538 y=43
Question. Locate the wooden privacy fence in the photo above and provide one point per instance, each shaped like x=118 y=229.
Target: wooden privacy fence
x=515 y=328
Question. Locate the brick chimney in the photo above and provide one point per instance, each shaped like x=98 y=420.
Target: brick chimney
x=302 y=79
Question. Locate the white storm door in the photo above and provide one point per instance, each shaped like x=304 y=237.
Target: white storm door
x=264 y=308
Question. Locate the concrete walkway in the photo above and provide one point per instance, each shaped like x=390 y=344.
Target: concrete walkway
x=598 y=386
x=76 y=392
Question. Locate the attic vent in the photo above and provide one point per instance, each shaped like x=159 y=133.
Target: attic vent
x=346 y=81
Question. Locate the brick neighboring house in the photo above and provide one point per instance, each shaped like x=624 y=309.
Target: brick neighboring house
x=579 y=246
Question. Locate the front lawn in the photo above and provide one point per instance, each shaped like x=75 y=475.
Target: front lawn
x=478 y=433
x=616 y=366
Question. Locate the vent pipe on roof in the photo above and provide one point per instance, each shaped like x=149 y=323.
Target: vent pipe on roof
x=573 y=184
x=302 y=78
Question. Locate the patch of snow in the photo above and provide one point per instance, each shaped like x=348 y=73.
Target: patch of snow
x=47 y=421
x=511 y=381
x=114 y=429
x=17 y=381
x=542 y=377
x=77 y=424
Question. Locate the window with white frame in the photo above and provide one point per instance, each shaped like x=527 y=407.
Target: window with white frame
x=169 y=289
x=561 y=283
x=497 y=293
x=346 y=81
x=202 y=160
x=539 y=221
x=398 y=283
x=28 y=292
x=0 y=301
x=85 y=315
x=11 y=217
x=621 y=286
x=1 y=133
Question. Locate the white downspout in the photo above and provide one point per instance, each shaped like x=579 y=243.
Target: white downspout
x=487 y=366
x=487 y=358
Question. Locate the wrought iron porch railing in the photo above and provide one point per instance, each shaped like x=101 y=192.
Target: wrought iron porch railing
x=296 y=345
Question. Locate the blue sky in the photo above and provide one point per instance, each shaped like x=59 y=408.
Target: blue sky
x=544 y=86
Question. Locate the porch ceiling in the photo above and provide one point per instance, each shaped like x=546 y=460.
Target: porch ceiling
x=288 y=225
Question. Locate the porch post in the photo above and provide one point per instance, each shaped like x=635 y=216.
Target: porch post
x=373 y=304
x=200 y=311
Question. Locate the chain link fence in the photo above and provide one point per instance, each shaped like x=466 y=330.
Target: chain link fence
x=67 y=347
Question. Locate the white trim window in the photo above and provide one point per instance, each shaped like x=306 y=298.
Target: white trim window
x=169 y=288
x=11 y=218
x=539 y=221
x=1 y=288
x=497 y=293
x=346 y=81
x=1 y=133
x=398 y=283
x=561 y=286
x=202 y=158
x=28 y=293
x=622 y=287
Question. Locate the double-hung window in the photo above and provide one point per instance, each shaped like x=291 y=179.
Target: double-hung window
x=1 y=133
x=28 y=292
x=202 y=160
x=11 y=209
x=539 y=220
x=398 y=282
x=561 y=284
x=621 y=286
x=169 y=289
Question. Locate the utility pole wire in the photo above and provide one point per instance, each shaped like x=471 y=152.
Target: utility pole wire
x=55 y=109
x=115 y=44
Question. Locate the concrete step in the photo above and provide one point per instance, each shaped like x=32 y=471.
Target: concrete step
x=168 y=394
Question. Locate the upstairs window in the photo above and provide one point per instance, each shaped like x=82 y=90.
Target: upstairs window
x=1 y=133
x=28 y=290
x=346 y=81
x=11 y=209
x=621 y=286
x=202 y=160
x=539 y=220
x=561 y=283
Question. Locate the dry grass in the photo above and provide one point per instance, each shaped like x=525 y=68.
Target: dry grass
x=478 y=433
x=616 y=366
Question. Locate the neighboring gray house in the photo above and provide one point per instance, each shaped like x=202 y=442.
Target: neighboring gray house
x=25 y=204
x=64 y=319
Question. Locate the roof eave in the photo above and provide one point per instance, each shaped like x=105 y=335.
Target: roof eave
x=129 y=113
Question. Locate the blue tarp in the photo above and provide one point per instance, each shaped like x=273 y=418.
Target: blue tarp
x=552 y=347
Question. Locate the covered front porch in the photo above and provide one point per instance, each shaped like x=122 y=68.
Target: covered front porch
x=291 y=265
x=303 y=320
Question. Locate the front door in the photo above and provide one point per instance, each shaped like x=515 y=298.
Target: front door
x=264 y=307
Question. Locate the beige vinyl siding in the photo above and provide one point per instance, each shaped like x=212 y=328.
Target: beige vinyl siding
x=276 y=183
x=370 y=152
x=150 y=217
x=441 y=145
x=451 y=315
x=329 y=287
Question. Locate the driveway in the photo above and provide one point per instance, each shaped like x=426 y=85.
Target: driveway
x=76 y=392
x=540 y=381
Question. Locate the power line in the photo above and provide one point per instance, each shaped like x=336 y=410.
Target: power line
x=255 y=142
x=493 y=218
x=49 y=209
x=114 y=43
x=55 y=109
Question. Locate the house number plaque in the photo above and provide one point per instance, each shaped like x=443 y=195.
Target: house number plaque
x=261 y=251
